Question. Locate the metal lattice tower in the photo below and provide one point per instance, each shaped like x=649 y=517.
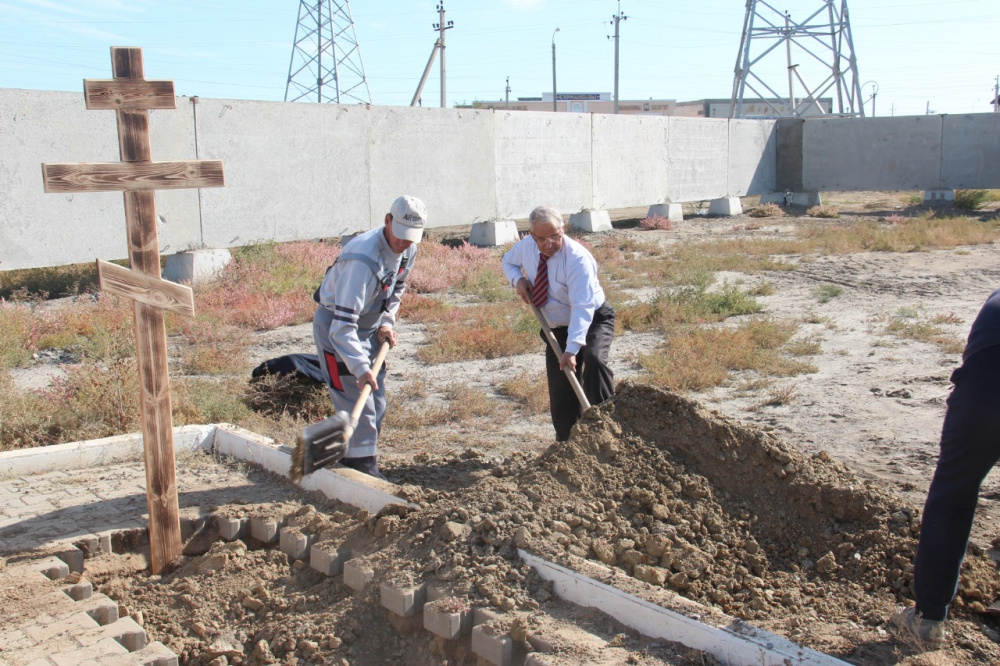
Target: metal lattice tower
x=831 y=65
x=326 y=59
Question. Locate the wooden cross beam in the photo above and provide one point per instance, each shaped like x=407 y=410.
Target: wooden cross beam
x=131 y=96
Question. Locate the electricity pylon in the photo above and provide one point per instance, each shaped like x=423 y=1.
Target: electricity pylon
x=326 y=59
x=825 y=36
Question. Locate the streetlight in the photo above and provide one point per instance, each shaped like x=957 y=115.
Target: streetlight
x=874 y=93
x=554 y=108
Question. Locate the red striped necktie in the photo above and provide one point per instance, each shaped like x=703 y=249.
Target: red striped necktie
x=540 y=292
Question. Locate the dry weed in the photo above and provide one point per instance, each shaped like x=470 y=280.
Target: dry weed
x=767 y=210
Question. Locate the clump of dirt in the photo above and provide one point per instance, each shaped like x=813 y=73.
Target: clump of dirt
x=651 y=484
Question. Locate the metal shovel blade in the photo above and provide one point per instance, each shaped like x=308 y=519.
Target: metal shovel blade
x=320 y=445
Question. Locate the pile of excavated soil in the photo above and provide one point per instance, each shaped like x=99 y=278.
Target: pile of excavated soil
x=651 y=484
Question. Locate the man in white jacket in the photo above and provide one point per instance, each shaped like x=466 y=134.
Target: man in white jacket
x=358 y=302
x=559 y=276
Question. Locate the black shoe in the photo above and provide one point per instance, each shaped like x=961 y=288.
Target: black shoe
x=367 y=465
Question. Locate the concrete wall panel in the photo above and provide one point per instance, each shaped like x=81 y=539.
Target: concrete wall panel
x=40 y=229
x=902 y=153
x=293 y=171
x=752 y=157
x=542 y=158
x=698 y=158
x=970 y=152
x=630 y=160
x=443 y=156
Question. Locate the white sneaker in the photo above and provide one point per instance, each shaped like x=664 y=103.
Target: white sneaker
x=908 y=624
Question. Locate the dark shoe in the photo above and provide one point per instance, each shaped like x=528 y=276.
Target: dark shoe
x=367 y=465
x=907 y=623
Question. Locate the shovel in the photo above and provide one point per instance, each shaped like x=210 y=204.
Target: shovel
x=570 y=375
x=325 y=443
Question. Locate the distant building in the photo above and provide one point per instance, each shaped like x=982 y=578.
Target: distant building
x=603 y=103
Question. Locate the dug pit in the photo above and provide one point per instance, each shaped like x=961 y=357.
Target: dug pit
x=652 y=484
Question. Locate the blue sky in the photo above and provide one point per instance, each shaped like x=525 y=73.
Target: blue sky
x=941 y=56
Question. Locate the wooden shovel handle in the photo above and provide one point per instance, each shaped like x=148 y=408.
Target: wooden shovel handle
x=570 y=375
x=366 y=390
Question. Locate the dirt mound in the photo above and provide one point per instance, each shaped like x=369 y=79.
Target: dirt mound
x=650 y=483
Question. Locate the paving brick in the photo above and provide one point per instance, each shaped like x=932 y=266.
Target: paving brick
x=78 y=623
x=230 y=529
x=154 y=654
x=492 y=645
x=79 y=591
x=124 y=630
x=264 y=529
x=449 y=619
x=357 y=574
x=404 y=601
x=327 y=558
x=52 y=568
x=89 y=654
x=15 y=639
x=294 y=543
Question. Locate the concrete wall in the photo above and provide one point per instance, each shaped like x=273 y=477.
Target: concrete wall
x=301 y=171
x=38 y=229
x=900 y=153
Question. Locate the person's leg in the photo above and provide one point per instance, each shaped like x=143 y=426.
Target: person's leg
x=363 y=447
x=596 y=378
x=970 y=446
x=563 y=405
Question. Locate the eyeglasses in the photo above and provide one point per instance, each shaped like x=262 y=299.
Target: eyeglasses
x=542 y=240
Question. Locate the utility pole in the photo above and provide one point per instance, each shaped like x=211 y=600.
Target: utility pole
x=996 y=95
x=507 y=103
x=554 y=107
x=616 y=19
x=441 y=27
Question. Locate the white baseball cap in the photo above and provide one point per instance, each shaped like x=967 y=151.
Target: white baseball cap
x=408 y=218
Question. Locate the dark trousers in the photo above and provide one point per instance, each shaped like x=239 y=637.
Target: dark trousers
x=970 y=446
x=596 y=378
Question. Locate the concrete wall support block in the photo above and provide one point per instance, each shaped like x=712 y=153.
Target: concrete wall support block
x=403 y=601
x=443 y=620
x=230 y=529
x=264 y=529
x=357 y=574
x=195 y=267
x=807 y=199
x=328 y=559
x=591 y=220
x=672 y=211
x=495 y=647
x=725 y=206
x=939 y=197
x=493 y=233
x=295 y=543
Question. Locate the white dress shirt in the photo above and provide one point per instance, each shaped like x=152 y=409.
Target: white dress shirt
x=574 y=290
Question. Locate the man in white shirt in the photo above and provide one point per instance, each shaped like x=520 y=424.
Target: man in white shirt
x=357 y=305
x=559 y=276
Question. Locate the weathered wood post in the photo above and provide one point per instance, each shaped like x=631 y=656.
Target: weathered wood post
x=138 y=177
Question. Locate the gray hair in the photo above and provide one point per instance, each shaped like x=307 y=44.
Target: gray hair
x=545 y=214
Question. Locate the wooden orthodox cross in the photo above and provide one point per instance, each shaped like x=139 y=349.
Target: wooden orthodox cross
x=131 y=96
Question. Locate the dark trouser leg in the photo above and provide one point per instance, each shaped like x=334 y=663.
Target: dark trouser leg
x=592 y=370
x=970 y=446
